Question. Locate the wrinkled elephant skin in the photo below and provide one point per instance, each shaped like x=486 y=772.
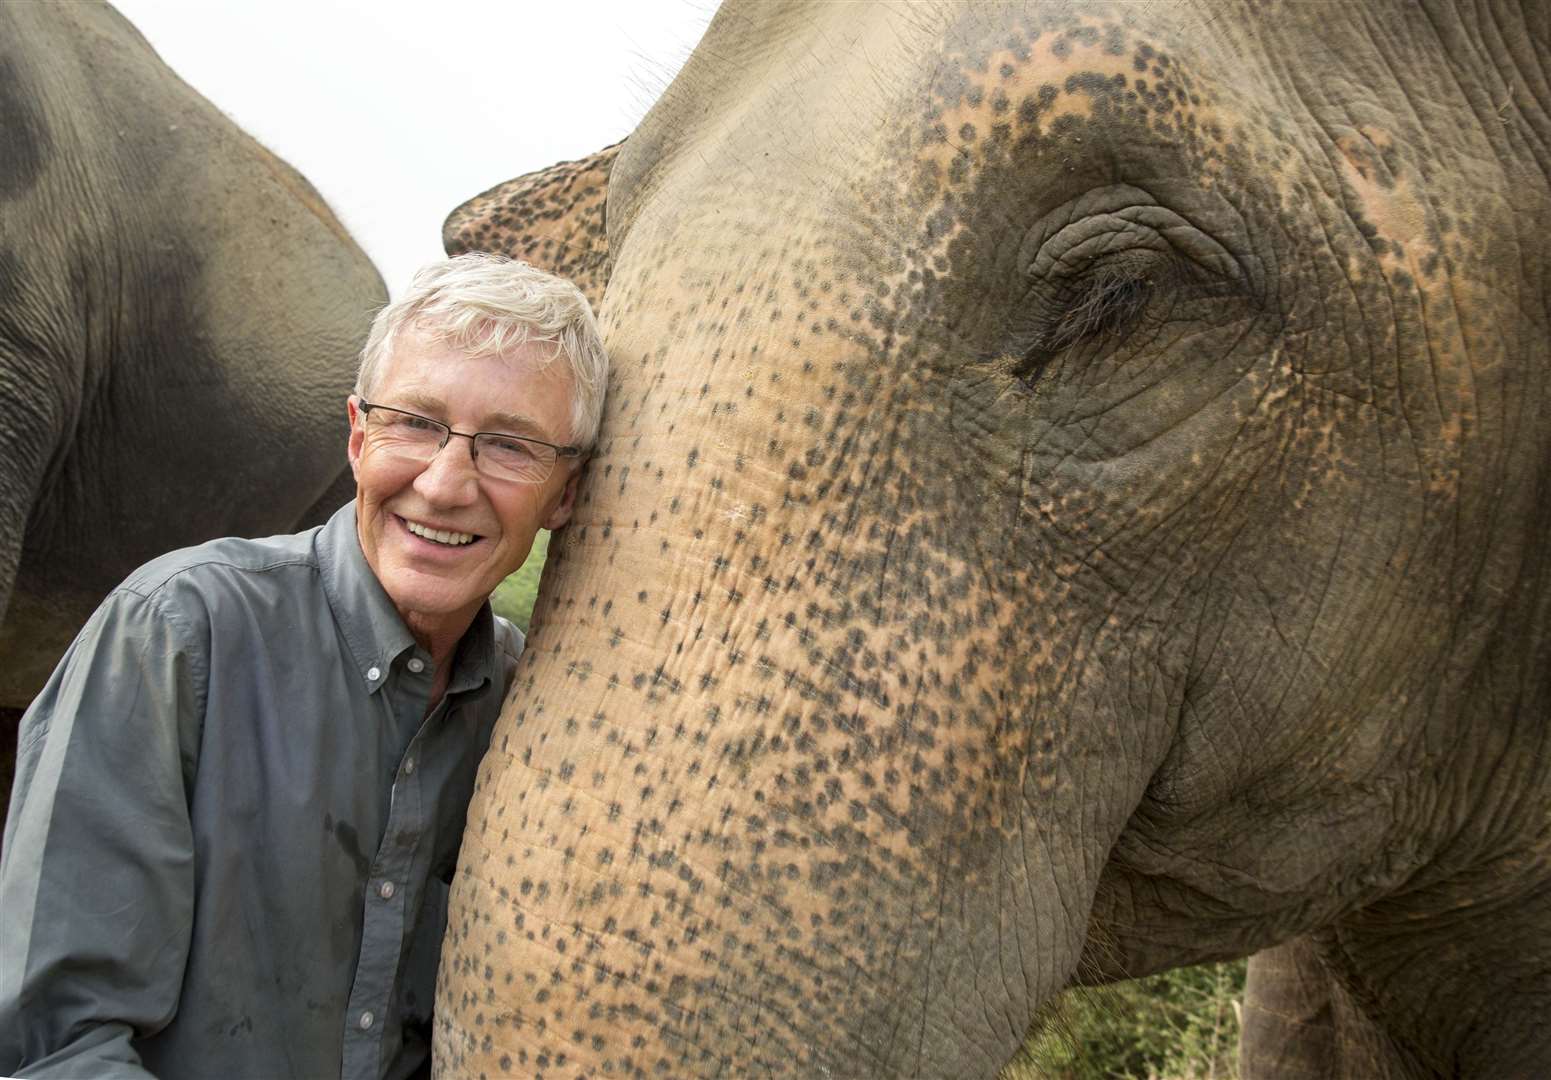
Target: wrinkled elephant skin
x=1073 y=501
x=179 y=317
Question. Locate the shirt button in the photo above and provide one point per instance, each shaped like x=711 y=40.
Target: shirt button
x=371 y=676
x=409 y=766
x=416 y=664
x=367 y=1020
x=385 y=890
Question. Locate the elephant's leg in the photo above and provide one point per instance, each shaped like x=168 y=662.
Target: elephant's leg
x=1288 y=1030
x=1304 y=1020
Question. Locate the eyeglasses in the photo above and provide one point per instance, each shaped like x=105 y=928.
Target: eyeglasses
x=414 y=437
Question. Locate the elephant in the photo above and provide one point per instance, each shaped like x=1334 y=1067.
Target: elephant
x=179 y=317
x=1074 y=500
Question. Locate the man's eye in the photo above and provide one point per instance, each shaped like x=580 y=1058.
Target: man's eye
x=510 y=447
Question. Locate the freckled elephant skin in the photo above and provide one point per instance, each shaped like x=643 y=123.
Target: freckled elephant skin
x=554 y=217
x=1073 y=501
x=179 y=319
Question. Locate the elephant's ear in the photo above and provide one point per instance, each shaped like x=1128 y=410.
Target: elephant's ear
x=552 y=218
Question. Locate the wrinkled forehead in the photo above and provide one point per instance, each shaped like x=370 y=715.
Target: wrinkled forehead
x=885 y=54
x=850 y=66
x=861 y=111
x=873 y=112
x=426 y=372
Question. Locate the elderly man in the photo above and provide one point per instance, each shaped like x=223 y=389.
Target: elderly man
x=240 y=797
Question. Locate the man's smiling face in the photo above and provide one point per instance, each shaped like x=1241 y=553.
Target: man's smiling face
x=437 y=585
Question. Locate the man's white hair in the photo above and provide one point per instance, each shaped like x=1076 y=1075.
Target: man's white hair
x=484 y=305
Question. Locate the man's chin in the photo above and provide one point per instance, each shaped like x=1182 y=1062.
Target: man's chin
x=421 y=596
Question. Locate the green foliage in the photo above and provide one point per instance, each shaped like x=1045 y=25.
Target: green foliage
x=513 y=598
x=1180 y=1025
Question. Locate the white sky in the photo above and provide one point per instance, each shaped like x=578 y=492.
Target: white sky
x=399 y=110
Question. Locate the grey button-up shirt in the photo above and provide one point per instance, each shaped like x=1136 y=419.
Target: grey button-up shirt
x=233 y=823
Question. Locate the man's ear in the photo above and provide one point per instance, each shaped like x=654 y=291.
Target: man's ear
x=357 y=421
x=562 y=509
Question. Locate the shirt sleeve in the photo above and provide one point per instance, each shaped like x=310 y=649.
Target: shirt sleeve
x=97 y=870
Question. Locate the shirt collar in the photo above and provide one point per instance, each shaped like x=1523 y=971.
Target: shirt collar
x=474 y=664
x=371 y=624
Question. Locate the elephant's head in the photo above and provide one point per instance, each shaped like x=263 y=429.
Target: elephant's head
x=1073 y=501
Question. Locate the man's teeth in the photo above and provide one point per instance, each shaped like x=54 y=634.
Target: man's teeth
x=453 y=538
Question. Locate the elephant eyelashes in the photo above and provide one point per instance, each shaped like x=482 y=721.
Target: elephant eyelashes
x=1104 y=305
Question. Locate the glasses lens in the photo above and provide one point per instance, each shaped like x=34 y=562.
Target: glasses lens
x=405 y=434
x=508 y=458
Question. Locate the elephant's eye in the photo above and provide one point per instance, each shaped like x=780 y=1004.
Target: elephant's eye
x=1096 y=273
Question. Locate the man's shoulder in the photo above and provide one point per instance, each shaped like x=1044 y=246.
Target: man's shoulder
x=223 y=561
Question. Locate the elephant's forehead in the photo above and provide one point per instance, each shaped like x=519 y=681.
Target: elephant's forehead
x=836 y=100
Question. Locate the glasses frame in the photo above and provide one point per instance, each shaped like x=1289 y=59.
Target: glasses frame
x=568 y=452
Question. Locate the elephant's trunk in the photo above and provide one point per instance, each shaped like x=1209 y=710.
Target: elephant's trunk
x=690 y=853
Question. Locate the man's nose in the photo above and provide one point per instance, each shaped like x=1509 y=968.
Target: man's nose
x=452 y=476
